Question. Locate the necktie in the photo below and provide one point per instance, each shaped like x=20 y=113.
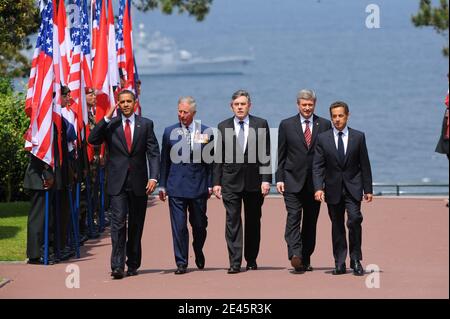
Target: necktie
x=188 y=138
x=307 y=133
x=128 y=134
x=241 y=136
x=341 y=151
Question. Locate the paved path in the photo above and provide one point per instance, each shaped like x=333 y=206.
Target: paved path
x=407 y=238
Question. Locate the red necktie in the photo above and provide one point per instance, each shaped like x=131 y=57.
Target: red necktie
x=307 y=133
x=128 y=134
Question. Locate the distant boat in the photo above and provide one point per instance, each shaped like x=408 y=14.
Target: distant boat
x=159 y=55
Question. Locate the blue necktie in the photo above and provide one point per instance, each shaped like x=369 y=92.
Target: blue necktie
x=341 y=150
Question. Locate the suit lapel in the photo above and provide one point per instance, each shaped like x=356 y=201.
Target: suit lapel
x=316 y=127
x=137 y=131
x=252 y=124
x=332 y=145
x=297 y=124
x=350 y=145
x=121 y=133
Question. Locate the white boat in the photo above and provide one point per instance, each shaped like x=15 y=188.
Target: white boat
x=159 y=55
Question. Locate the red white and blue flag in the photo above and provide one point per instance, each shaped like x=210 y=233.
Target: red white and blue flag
x=80 y=70
x=38 y=105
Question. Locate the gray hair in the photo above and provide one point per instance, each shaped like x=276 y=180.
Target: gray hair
x=189 y=100
x=240 y=93
x=306 y=94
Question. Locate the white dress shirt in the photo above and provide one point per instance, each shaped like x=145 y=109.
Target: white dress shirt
x=302 y=119
x=237 y=128
x=344 y=137
x=132 y=121
x=191 y=130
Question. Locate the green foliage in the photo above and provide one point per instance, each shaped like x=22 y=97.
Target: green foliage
x=436 y=17
x=13 y=157
x=13 y=230
x=18 y=19
x=197 y=8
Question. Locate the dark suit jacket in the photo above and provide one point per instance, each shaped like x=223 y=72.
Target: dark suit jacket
x=355 y=173
x=144 y=148
x=36 y=172
x=294 y=157
x=190 y=176
x=245 y=176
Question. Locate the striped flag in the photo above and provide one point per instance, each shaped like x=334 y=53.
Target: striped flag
x=39 y=136
x=120 y=46
x=112 y=56
x=65 y=44
x=96 y=6
x=58 y=71
x=80 y=70
x=100 y=69
x=125 y=54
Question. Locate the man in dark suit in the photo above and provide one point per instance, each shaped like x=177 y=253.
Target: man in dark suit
x=297 y=137
x=186 y=178
x=342 y=177
x=39 y=178
x=132 y=147
x=242 y=172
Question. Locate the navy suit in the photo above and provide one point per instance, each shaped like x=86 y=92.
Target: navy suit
x=344 y=184
x=186 y=177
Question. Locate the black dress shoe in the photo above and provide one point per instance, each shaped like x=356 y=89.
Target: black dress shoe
x=180 y=270
x=358 y=269
x=40 y=261
x=34 y=261
x=252 y=266
x=339 y=270
x=117 y=273
x=308 y=267
x=132 y=272
x=200 y=261
x=297 y=263
x=234 y=270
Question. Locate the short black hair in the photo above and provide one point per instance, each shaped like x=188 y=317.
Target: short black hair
x=240 y=93
x=126 y=91
x=65 y=90
x=337 y=104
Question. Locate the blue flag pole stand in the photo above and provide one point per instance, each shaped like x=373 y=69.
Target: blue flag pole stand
x=102 y=199
x=46 y=229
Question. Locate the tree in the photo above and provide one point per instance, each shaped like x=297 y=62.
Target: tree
x=18 y=19
x=197 y=8
x=13 y=157
x=436 y=17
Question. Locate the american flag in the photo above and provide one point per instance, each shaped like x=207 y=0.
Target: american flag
x=96 y=6
x=80 y=71
x=120 y=47
x=65 y=43
x=113 y=69
x=39 y=137
x=100 y=74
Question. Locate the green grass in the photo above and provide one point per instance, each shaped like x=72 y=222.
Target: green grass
x=13 y=230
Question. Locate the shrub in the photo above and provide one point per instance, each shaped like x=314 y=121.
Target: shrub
x=13 y=157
